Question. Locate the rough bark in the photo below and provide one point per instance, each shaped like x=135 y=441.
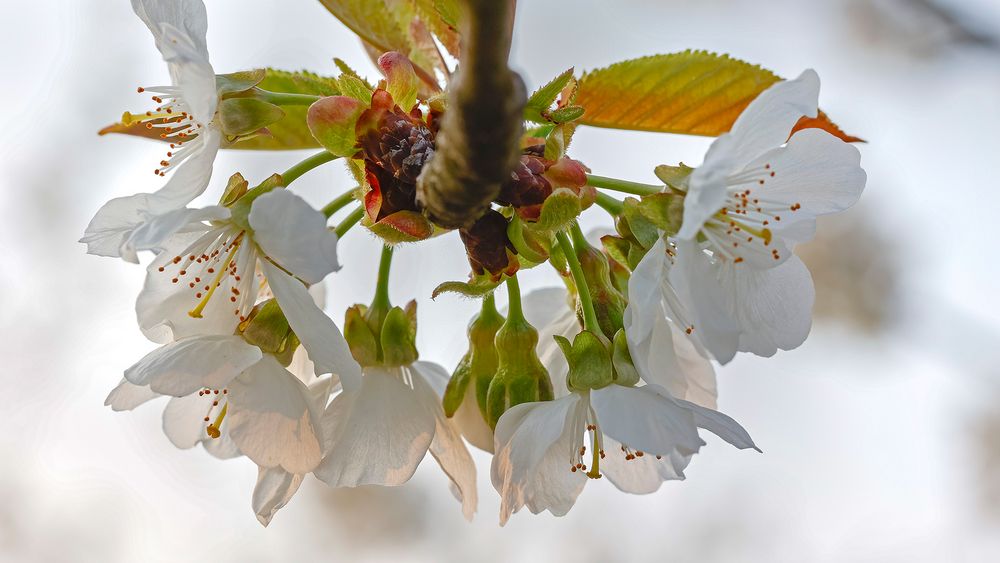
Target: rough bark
x=478 y=144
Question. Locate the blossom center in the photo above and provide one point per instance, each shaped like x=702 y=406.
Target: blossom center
x=218 y=258
x=213 y=429
x=744 y=225
x=174 y=122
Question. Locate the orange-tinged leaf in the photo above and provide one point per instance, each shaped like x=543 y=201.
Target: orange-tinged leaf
x=692 y=92
x=822 y=121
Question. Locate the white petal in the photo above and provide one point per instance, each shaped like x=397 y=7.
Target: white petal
x=641 y=475
x=708 y=185
x=447 y=446
x=114 y=223
x=319 y=335
x=768 y=121
x=773 y=307
x=721 y=425
x=270 y=420
x=815 y=170
x=523 y=469
x=667 y=357
x=470 y=421
x=127 y=396
x=274 y=488
x=183 y=420
x=377 y=434
x=222 y=447
x=187 y=365
x=188 y=16
x=152 y=233
x=192 y=176
x=693 y=279
x=645 y=420
x=644 y=293
x=294 y=235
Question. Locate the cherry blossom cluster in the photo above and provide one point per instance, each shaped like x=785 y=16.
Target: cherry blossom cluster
x=608 y=373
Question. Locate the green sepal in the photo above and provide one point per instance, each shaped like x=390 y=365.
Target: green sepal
x=528 y=244
x=676 y=177
x=236 y=188
x=616 y=247
x=243 y=116
x=267 y=328
x=237 y=82
x=399 y=336
x=360 y=338
x=625 y=372
x=239 y=211
x=665 y=210
x=620 y=275
x=642 y=229
x=589 y=359
x=454 y=392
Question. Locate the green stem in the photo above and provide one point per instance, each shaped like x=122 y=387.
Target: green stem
x=579 y=240
x=586 y=302
x=284 y=99
x=625 y=186
x=293 y=173
x=349 y=222
x=514 y=312
x=338 y=203
x=381 y=300
x=610 y=204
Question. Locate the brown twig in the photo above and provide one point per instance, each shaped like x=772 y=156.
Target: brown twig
x=478 y=143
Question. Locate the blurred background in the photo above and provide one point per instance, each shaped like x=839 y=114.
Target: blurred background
x=881 y=435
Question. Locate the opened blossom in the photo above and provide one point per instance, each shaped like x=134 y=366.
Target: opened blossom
x=638 y=437
x=184 y=117
x=379 y=434
x=729 y=278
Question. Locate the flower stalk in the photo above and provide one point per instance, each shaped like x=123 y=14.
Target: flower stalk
x=624 y=186
x=586 y=303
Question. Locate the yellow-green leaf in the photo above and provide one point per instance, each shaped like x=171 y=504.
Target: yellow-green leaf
x=693 y=92
x=387 y=25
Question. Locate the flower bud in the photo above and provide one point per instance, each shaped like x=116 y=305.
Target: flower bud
x=479 y=365
x=267 y=329
x=520 y=376
x=399 y=336
x=589 y=359
x=609 y=304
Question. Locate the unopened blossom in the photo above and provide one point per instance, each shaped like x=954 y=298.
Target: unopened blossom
x=638 y=437
x=184 y=118
x=379 y=434
x=729 y=279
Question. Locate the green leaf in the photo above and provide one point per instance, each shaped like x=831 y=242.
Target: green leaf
x=291 y=132
x=387 y=25
x=543 y=98
x=332 y=121
x=692 y=92
x=356 y=88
